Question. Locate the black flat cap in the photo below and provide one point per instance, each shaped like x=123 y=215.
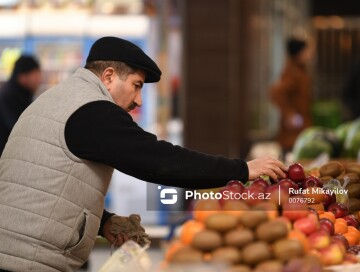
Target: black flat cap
x=116 y=49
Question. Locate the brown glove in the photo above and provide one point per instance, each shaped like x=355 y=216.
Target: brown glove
x=130 y=227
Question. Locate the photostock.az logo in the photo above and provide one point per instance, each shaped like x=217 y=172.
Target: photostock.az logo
x=164 y=193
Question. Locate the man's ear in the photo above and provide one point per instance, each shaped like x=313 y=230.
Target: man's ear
x=107 y=77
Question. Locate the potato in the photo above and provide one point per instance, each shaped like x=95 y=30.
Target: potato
x=353 y=167
x=227 y=255
x=221 y=222
x=270 y=266
x=333 y=169
x=326 y=179
x=271 y=231
x=353 y=190
x=186 y=255
x=239 y=237
x=207 y=240
x=256 y=252
x=239 y=268
x=352 y=178
x=354 y=205
x=251 y=219
x=285 y=249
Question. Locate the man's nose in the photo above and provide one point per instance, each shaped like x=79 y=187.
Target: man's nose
x=138 y=100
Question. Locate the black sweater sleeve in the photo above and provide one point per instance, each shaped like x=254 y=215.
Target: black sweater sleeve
x=103 y=132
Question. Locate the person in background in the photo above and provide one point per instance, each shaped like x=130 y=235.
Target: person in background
x=57 y=164
x=17 y=94
x=351 y=94
x=292 y=94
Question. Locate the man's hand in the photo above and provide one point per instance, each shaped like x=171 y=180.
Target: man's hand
x=118 y=239
x=266 y=166
x=118 y=229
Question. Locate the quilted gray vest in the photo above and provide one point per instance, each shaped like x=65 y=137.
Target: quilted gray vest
x=51 y=201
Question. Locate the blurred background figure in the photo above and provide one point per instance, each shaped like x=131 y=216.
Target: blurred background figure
x=17 y=94
x=292 y=93
x=351 y=94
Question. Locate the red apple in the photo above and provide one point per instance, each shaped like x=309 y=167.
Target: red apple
x=230 y=191
x=319 y=239
x=287 y=184
x=327 y=225
x=295 y=208
x=235 y=207
x=338 y=237
x=307 y=224
x=261 y=182
x=329 y=199
x=352 y=221
x=350 y=258
x=338 y=209
x=311 y=181
x=296 y=172
x=237 y=184
x=332 y=254
x=254 y=194
x=314 y=213
x=277 y=194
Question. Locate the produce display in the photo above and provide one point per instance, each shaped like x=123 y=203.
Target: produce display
x=307 y=221
x=344 y=142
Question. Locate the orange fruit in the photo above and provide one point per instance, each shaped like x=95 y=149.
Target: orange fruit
x=315 y=172
x=328 y=215
x=204 y=208
x=301 y=237
x=340 y=227
x=354 y=230
x=172 y=249
x=341 y=220
x=188 y=231
x=352 y=238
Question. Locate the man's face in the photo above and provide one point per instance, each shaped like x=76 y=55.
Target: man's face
x=125 y=92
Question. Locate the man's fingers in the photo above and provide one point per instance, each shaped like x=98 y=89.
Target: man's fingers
x=268 y=166
x=119 y=240
x=274 y=176
x=278 y=164
x=281 y=166
x=279 y=171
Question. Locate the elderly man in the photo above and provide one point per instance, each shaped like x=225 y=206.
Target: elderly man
x=58 y=161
